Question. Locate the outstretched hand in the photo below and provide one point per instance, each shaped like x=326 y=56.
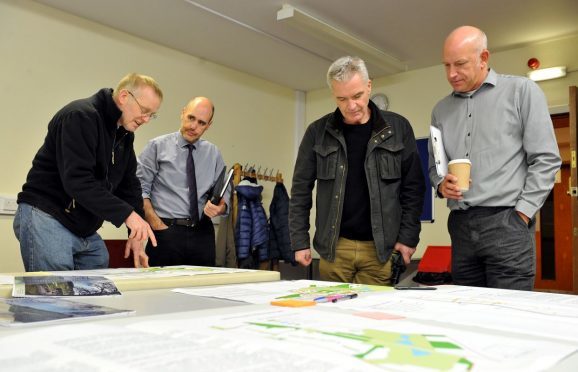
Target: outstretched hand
x=140 y=229
x=138 y=253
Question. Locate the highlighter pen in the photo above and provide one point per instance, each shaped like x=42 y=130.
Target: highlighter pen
x=344 y=297
x=335 y=297
x=423 y=288
x=329 y=298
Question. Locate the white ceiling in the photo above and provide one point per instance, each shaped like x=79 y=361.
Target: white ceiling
x=245 y=34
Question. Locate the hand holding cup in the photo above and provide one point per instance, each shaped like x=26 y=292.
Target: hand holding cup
x=461 y=169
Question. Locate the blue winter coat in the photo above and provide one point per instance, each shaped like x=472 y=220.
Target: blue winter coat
x=252 y=230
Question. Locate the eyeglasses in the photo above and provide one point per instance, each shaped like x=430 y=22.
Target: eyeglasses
x=144 y=111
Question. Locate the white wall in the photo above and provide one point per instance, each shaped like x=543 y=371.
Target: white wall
x=413 y=94
x=50 y=58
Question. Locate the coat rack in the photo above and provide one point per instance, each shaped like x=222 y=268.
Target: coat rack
x=247 y=171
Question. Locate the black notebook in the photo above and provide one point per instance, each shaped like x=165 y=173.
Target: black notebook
x=221 y=185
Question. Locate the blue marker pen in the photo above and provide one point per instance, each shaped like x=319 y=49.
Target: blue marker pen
x=321 y=299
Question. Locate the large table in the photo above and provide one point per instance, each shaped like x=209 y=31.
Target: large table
x=129 y=279
x=178 y=332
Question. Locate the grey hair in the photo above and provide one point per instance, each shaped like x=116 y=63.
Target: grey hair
x=344 y=68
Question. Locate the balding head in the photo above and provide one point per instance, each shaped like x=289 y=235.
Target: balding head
x=467 y=37
x=203 y=102
x=465 y=57
x=196 y=118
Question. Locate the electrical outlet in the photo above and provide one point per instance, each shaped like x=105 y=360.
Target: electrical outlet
x=8 y=204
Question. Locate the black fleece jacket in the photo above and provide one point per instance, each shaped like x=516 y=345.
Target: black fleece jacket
x=85 y=172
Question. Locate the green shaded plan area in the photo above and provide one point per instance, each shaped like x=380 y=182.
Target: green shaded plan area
x=310 y=292
x=380 y=348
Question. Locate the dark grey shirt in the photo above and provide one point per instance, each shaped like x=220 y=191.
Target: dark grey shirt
x=162 y=173
x=505 y=129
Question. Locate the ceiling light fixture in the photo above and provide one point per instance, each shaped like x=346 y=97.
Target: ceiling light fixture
x=249 y=27
x=341 y=39
x=547 y=73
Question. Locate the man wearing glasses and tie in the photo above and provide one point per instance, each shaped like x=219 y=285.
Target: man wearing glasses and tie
x=85 y=173
x=178 y=172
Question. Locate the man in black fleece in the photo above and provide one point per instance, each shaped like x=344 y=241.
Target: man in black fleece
x=85 y=173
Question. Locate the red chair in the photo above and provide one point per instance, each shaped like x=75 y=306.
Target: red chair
x=435 y=266
x=436 y=259
x=116 y=254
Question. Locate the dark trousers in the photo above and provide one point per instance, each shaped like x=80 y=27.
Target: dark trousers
x=492 y=247
x=184 y=245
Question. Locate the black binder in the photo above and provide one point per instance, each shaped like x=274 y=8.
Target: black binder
x=221 y=185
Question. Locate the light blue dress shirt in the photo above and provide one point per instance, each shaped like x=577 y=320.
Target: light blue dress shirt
x=505 y=129
x=162 y=173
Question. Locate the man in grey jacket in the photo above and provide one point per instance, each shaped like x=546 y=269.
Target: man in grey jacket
x=370 y=185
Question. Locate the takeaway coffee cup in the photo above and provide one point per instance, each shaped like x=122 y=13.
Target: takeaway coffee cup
x=461 y=169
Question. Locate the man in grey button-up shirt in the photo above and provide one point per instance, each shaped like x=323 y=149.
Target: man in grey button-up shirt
x=162 y=172
x=501 y=123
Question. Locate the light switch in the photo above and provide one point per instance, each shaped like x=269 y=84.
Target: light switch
x=8 y=204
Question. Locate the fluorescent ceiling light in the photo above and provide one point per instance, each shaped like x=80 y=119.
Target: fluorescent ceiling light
x=330 y=34
x=547 y=73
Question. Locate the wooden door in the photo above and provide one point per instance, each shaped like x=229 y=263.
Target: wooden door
x=557 y=222
x=554 y=239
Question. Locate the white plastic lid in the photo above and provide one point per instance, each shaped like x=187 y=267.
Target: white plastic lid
x=460 y=161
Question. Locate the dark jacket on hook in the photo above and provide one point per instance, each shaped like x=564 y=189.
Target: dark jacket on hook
x=279 y=242
x=252 y=229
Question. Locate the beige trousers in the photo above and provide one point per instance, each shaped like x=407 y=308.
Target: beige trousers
x=356 y=262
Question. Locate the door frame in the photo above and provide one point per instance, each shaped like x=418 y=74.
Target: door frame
x=567 y=136
x=572 y=110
